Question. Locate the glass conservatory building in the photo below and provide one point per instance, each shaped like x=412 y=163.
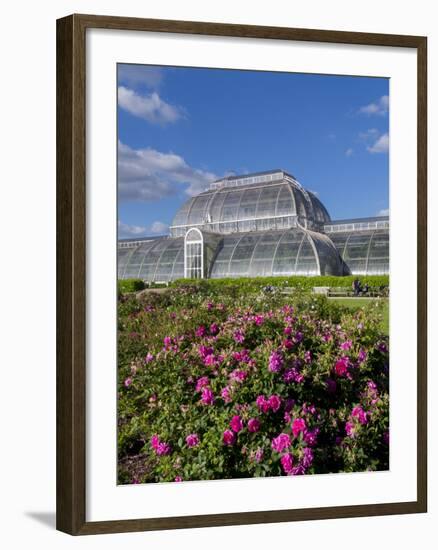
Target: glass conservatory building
x=262 y=224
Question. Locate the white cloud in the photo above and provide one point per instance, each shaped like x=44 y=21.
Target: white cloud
x=159 y=227
x=127 y=231
x=149 y=107
x=372 y=133
x=376 y=142
x=383 y=212
x=140 y=75
x=349 y=152
x=149 y=175
x=381 y=145
x=379 y=107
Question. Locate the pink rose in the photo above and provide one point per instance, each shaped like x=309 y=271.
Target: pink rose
x=346 y=345
x=298 y=425
x=350 y=429
x=360 y=414
x=262 y=403
x=311 y=436
x=274 y=403
x=341 y=366
x=228 y=437
x=281 y=442
x=210 y=360
x=239 y=336
x=167 y=341
x=275 y=361
x=253 y=425
x=236 y=424
x=202 y=383
x=192 y=440
x=226 y=394
x=163 y=449
x=200 y=331
x=287 y=463
x=207 y=396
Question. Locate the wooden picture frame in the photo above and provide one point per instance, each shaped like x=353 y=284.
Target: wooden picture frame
x=71 y=273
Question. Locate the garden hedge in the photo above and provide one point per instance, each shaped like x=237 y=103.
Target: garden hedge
x=130 y=285
x=255 y=283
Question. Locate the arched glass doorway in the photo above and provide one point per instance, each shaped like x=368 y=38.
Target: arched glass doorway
x=193 y=254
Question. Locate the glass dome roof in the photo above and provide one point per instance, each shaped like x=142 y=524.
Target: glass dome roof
x=257 y=202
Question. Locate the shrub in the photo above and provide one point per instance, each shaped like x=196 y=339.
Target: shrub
x=256 y=283
x=253 y=385
x=130 y=285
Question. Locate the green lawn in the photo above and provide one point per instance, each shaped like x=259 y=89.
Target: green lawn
x=355 y=303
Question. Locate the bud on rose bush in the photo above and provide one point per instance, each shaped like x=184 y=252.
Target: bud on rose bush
x=216 y=385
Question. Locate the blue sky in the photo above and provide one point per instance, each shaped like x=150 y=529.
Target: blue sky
x=181 y=128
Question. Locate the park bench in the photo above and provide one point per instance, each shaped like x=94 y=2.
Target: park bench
x=339 y=292
x=342 y=292
x=324 y=290
x=288 y=290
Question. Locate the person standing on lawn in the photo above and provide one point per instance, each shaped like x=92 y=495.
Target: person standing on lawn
x=356 y=286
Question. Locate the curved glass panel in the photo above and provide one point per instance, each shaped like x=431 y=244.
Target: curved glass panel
x=330 y=262
x=221 y=265
x=307 y=263
x=164 y=270
x=123 y=255
x=197 y=211
x=300 y=202
x=263 y=256
x=160 y=260
x=242 y=254
x=378 y=257
x=215 y=209
x=291 y=252
x=267 y=202
x=270 y=205
x=364 y=252
x=136 y=259
x=285 y=202
x=319 y=210
x=230 y=207
x=178 y=265
x=248 y=204
x=181 y=216
x=287 y=252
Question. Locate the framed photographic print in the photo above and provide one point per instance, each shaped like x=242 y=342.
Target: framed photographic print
x=241 y=274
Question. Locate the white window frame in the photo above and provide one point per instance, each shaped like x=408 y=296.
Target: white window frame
x=200 y=241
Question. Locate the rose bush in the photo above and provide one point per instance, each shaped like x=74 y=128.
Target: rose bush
x=213 y=386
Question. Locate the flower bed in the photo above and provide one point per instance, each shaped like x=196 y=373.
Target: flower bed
x=251 y=385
